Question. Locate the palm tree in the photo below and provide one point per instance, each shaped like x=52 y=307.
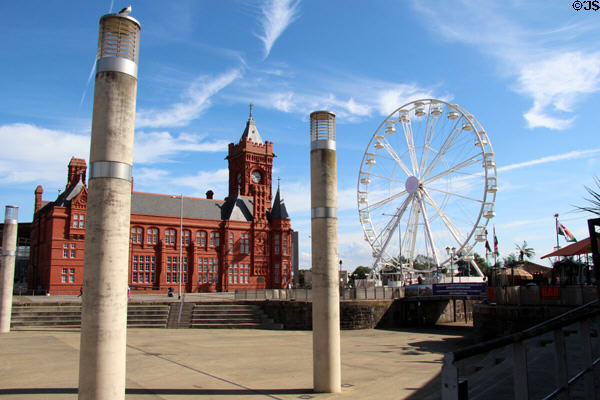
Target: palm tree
x=594 y=201
x=524 y=251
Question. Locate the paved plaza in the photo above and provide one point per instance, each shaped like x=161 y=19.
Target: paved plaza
x=182 y=364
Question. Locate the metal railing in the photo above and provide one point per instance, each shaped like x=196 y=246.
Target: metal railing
x=468 y=373
x=372 y=293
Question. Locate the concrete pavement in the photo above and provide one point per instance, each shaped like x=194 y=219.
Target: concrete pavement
x=227 y=364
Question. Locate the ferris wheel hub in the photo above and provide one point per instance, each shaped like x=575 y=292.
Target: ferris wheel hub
x=412 y=184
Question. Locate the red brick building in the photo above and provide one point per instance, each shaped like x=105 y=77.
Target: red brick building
x=241 y=242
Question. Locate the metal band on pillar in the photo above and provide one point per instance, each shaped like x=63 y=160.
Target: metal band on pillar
x=110 y=169
x=323 y=212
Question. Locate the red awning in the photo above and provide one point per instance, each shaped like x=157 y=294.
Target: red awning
x=582 y=247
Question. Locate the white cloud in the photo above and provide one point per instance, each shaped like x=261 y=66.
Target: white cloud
x=152 y=146
x=198 y=98
x=547 y=64
x=33 y=154
x=202 y=181
x=557 y=84
x=558 y=157
x=277 y=16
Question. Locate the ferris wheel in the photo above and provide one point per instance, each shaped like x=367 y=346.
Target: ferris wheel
x=427 y=185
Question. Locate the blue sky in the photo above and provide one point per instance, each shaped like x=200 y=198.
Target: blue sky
x=529 y=71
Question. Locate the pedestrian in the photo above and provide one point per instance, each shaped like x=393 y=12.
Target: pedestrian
x=128 y=292
x=80 y=292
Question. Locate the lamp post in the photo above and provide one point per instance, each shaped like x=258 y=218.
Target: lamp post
x=451 y=252
x=179 y=275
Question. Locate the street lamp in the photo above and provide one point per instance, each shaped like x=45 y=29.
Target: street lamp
x=451 y=252
x=179 y=277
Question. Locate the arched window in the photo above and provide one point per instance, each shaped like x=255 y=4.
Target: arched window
x=214 y=239
x=136 y=234
x=170 y=235
x=152 y=235
x=201 y=238
x=186 y=236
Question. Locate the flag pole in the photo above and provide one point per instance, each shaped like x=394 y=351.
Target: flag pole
x=556 y=222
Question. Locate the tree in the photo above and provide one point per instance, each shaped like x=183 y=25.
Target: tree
x=510 y=261
x=524 y=251
x=594 y=201
x=361 y=272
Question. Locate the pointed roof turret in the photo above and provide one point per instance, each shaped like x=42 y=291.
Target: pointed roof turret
x=279 y=211
x=251 y=133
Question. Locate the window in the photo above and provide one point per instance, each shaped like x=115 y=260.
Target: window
x=172 y=268
x=276 y=244
x=231 y=242
x=285 y=273
x=285 y=244
x=134 y=269
x=67 y=275
x=136 y=235
x=230 y=273
x=244 y=244
x=184 y=267
x=170 y=236
x=69 y=250
x=152 y=235
x=244 y=273
x=214 y=239
x=186 y=237
x=277 y=279
x=79 y=221
x=201 y=238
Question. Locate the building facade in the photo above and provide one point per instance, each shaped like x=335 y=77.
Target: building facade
x=209 y=245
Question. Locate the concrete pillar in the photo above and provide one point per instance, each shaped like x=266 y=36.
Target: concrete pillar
x=325 y=277
x=7 y=267
x=104 y=304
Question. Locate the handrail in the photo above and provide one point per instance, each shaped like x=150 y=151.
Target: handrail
x=454 y=388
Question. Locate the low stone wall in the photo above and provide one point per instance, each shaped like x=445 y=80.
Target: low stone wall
x=367 y=314
x=297 y=315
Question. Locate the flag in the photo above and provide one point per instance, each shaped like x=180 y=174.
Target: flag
x=487 y=246
x=562 y=230
x=495 y=242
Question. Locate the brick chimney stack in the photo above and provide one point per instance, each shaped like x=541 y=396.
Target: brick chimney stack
x=77 y=167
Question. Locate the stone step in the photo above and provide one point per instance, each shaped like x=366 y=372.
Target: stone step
x=226 y=326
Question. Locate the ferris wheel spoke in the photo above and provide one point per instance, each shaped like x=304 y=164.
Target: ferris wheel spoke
x=456 y=194
x=408 y=134
x=385 y=201
x=396 y=158
x=428 y=233
x=448 y=142
x=449 y=225
x=391 y=227
x=412 y=229
x=457 y=167
x=387 y=178
x=429 y=130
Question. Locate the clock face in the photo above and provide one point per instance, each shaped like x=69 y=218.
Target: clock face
x=256 y=177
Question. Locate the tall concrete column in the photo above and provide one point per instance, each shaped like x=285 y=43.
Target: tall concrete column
x=104 y=305
x=324 y=231
x=7 y=267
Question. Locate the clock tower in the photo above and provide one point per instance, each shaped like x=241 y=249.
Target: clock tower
x=250 y=168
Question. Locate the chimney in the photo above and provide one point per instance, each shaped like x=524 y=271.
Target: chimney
x=77 y=167
x=38 y=198
x=210 y=194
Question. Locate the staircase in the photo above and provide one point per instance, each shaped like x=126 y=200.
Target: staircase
x=147 y=315
x=230 y=316
x=69 y=316
x=30 y=316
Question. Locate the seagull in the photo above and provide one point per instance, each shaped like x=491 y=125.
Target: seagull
x=126 y=10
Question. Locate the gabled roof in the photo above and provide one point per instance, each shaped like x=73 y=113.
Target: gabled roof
x=239 y=208
x=64 y=199
x=279 y=211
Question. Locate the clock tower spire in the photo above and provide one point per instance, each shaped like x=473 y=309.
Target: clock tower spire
x=250 y=166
